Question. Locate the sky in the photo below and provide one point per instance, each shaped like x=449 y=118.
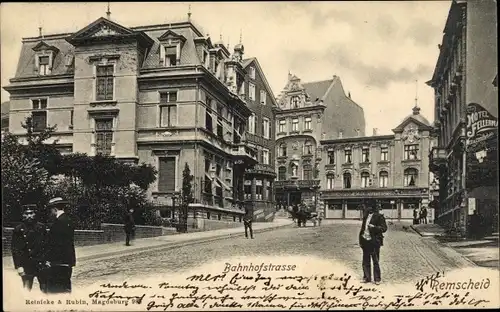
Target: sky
x=383 y=52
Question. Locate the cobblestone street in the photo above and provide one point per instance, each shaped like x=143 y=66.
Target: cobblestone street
x=405 y=257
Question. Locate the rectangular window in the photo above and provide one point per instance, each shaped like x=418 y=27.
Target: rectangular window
x=265 y=157
x=281 y=173
x=166 y=174
x=265 y=127
x=251 y=91
x=308 y=123
x=104 y=82
x=43 y=65
x=39 y=119
x=384 y=153
x=411 y=151
x=251 y=124
x=39 y=103
x=307 y=172
x=252 y=72
x=282 y=126
x=383 y=180
x=365 y=155
x=365 y=180
x=330 y=182
x=295 y=124
x=168 y=97
x=263 y=97
x=208 y=121
x=104 y=136
x=348 y=156
x=259 y=189
x=168 y=116
x=171 y=56
x=331 y=157
x=247 y=188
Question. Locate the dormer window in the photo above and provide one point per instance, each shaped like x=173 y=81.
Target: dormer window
x=170 y=58
x=44 y=65
x=294 y=101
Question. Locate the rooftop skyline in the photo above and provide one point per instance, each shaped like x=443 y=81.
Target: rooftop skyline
x=378 y=49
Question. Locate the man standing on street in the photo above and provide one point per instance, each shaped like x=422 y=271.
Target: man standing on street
x=424 y=215
x=371 y=238
x=247 y=221
x=28 y=241
x=129 y=226
x=60 y=253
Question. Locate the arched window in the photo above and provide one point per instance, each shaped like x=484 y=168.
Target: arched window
x=294 y=101
x=410 y=177
x=330 y=181
x=365 y=179
x=347 y=180
x=308 y=148
x=282 y=173
x=383 y=179
x=307 y=172
x=282 y=149
x=293 y=169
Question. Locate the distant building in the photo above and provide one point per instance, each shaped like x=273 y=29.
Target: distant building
x=465 y=159
x=165 y=95
x=389 y=169
x=306 y=114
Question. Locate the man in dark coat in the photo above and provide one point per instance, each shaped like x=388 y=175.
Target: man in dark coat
x=60 y=252
x=129 y=226
x=28 y=241
x=247 y=222
x=424 y=215
x=371 y=238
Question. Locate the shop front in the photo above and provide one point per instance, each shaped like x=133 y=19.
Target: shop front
x=395 y=204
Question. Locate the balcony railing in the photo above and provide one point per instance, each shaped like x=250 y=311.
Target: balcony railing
x=242 y=150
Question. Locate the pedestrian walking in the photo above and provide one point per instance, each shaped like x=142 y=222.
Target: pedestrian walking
x=415 y=216
x=247 y=222
x=60 y=252
x=371 y=239
x=28 y=243
x=424 y=215
x=129 y=226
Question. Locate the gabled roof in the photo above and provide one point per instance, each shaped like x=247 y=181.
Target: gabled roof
x=247 y=62
x=415 y=117
x=44 y=46
x=318 y=89
x=170 y=34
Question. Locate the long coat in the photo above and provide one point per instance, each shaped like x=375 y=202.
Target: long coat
x=377 y=231
x=61 y=242
x=28 y=243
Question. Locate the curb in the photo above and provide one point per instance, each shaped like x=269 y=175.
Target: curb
x=169 y=245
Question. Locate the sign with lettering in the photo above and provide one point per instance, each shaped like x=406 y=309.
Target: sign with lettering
x=482 y=127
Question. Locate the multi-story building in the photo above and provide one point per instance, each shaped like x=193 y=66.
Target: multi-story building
x=159 y=94
x=466 y=111
x=259 y=179
x=390 y=169
x=306 y=114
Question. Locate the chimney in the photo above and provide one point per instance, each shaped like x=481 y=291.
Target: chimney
x=375 y=131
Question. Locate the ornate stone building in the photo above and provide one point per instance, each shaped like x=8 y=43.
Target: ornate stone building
x=306 y=114
x=391 y=169
x=465 y=158
x=159 y=94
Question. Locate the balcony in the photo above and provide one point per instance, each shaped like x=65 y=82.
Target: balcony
x=437 y=159
x=244 y=155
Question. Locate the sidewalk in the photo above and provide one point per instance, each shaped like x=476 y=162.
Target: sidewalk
x=102 y=251
x=483 y=252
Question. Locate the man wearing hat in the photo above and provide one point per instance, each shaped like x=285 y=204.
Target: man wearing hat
x=28 y=241
x=371 y=238
x=60 y=251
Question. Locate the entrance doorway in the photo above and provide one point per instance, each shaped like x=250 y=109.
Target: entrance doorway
x=295 y=198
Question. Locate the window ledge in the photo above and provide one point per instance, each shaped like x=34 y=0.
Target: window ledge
x=308 y=131
x=294 y=132
x=281 y=133
x=383 y=162
x=103 y=102
x=346 y=164
x=410 y=160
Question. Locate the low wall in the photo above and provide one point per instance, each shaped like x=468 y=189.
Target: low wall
x=200 y=224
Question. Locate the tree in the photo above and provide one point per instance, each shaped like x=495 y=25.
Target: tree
x=187 y=194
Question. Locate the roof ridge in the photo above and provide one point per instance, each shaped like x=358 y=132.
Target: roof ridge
x=303 y=83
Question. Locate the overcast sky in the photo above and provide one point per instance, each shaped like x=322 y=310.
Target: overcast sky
x=378 y=49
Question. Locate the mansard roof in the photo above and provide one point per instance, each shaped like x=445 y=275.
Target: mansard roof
x=170 y=34
x=44 y=46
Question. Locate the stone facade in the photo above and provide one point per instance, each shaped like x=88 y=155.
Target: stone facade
x=391 y=169
x=463 y=82
x=306 y=114
x=161 y=94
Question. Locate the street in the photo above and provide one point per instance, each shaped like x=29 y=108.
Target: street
x=405 y=256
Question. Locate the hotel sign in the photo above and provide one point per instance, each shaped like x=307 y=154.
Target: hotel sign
x=481 y=128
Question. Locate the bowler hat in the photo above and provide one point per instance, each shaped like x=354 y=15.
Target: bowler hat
x=57 y=201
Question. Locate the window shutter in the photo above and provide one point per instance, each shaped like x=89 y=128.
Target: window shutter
x=166 y=179
x=162 y=54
